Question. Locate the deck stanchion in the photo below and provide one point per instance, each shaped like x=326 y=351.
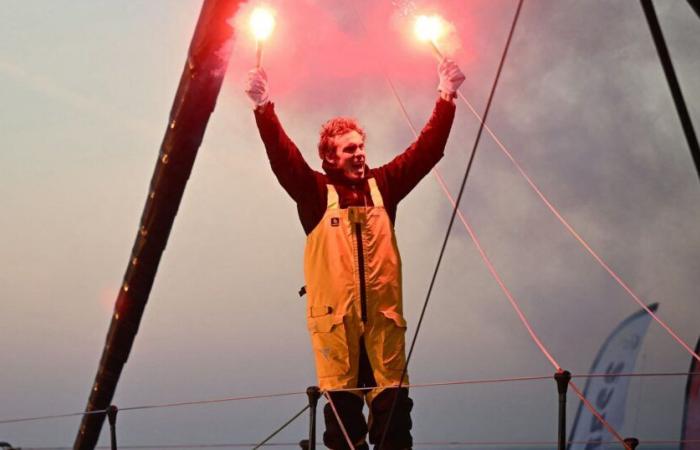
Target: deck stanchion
x=631 y=443
x=313 y=392
x=562 y=378
x=112 y=418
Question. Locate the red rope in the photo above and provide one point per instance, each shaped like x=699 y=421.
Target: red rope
x=340 y=422
x=597 y=415
x=496 y=276
x=415 y=444
x=577 y=236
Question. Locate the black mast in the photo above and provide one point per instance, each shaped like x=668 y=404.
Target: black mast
x=673 y=84
x=201 y=80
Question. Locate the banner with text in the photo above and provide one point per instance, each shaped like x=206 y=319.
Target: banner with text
x=608 y=394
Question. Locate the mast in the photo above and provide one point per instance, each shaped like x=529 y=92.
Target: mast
x=201 y=80
x=672 y=80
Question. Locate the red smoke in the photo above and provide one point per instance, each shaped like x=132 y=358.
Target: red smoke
x=319 y=50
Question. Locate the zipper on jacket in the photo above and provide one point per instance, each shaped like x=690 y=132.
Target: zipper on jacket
x=361 y=264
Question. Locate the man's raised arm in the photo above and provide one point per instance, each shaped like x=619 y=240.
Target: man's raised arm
x=288 y=164
x=405 y=171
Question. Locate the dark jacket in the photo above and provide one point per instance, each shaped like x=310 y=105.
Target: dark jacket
x=395 y=179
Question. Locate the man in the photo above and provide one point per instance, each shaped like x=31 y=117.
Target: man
x=352 y=266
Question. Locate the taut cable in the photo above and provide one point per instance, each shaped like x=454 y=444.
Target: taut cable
x=284 y=425
x=576 y=235
x=340 y=422
x=456 y=211
x=416 y=385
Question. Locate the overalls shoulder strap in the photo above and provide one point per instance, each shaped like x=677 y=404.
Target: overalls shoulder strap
x=333 y=201
x=374 y=192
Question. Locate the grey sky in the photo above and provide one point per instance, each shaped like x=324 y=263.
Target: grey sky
x=86 y=87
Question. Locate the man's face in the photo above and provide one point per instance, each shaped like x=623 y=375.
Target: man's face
x=349 y=155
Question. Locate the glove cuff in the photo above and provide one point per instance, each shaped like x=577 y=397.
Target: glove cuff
x=447 y=96
x=446 y=87
x=262 y=101
x=260 y=107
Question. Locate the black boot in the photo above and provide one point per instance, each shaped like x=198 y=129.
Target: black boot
x=398 y=434
x=349 y=407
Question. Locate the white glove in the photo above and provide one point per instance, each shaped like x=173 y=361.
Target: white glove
x=451 y=78
x=257 y=87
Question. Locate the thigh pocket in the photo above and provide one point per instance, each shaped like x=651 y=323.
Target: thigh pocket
x=330 y=345
x=393 y=345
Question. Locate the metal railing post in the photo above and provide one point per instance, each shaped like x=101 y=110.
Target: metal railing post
x=562 y=378
x=313 y=392
x=631 y=443
x=112 y=418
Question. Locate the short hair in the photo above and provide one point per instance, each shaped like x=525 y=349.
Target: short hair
x=335 y=127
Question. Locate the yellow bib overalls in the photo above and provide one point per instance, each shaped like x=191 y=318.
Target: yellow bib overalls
x=352 y=270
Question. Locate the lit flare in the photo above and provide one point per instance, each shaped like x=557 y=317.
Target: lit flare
x=430 y=29
x=262 y=22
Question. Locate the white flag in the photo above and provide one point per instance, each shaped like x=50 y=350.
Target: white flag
x=608 y=394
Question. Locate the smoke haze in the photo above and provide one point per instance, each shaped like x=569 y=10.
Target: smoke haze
x=582 y=104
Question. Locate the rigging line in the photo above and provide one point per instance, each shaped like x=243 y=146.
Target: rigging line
x=450 y=383
x=416 y=385
x=597 y=415
x=53 y=416
x=455 y=209
x=492 y=269
x=340 y=422
x=415 y=444
x=483 y=254
x=575 y=234
x=635 y=374
x=469 y=230
x=154 y=406
x=529 y=443
x=274 y=433
x=476 y=241
x=206 y=402
x=524 y=378
x=174 y=446
x=510 y=443
x=481 y=251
